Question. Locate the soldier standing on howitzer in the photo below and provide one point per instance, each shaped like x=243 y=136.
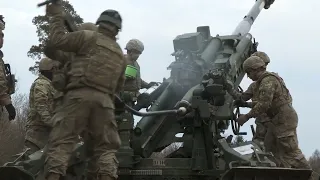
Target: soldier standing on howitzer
x=132 y=85
x=97 y=72
x=41 y=107
x=262 y=120
x=6 y=87
x=60 y=81
x=274 y=99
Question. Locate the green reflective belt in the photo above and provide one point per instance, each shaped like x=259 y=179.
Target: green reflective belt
x=131 y=71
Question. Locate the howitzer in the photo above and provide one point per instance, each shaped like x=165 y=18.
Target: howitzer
x=68 y=20
x=202 y=64
x=145 y=100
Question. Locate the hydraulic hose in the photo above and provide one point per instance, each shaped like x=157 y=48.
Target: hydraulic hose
x=180 y=111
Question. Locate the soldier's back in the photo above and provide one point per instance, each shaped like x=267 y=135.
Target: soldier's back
x=101 y=66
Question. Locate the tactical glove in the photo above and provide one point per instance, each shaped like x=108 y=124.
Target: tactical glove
x=228 y=85
x=152 y=84
x=240 y=103
x=12 y=111
x=268 y=3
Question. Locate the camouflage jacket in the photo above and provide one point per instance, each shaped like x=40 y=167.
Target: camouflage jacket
x=98 y=62
x=251 y=93
x=134 y=84
x=271 y=93
x=5 y=98
x=41 y=102
x=59 y=79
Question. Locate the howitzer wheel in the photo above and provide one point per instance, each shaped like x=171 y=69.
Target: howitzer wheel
x=234 y=124
x=249 y=173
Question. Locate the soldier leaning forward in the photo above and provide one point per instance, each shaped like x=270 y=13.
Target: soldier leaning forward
x=274 y=99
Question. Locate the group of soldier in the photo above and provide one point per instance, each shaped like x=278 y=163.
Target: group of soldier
x=73 y=96
x=82 y=72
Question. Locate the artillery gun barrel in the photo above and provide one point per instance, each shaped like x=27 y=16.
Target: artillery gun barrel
x=245 y=25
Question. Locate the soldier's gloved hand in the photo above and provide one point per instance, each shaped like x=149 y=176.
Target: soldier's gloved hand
x=152 y=84
x=242 y=119
x=240 y=103
x=12 y=111
x=54 y=9
x=268 y=3
x=228 y=85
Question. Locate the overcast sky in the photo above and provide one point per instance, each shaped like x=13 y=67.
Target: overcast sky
x=286 y=31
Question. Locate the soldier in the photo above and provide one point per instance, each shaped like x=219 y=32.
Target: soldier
x=260 y=121
x=133 y=81
x=59 y=77
x=132 y=86
x=274 y=99
x=97 y=73
x=41 y=106
x=59 y=82
x=5 y=99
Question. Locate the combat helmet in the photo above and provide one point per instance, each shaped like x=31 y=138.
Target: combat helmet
x=135 y=44
x=262 y=55
x=253 y=62
x=110 y=16
x=46 y=64
x=87 y=26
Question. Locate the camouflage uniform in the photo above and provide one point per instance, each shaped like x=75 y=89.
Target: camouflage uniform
x=134 y=84
x=131 y=89
x=97 y=72
x=263 y=119
x=274 y=99
x=41 y=106
x=60 y=80
x=5 y=89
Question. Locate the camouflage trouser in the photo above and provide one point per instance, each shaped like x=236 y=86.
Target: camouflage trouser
x=260 y=133
x=284 y=136
x=270 y=142
x=36 y=138
x=84 y=109
x=126 y=122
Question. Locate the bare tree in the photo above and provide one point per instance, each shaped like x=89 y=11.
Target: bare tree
x=12 y=132
x=314 y=161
